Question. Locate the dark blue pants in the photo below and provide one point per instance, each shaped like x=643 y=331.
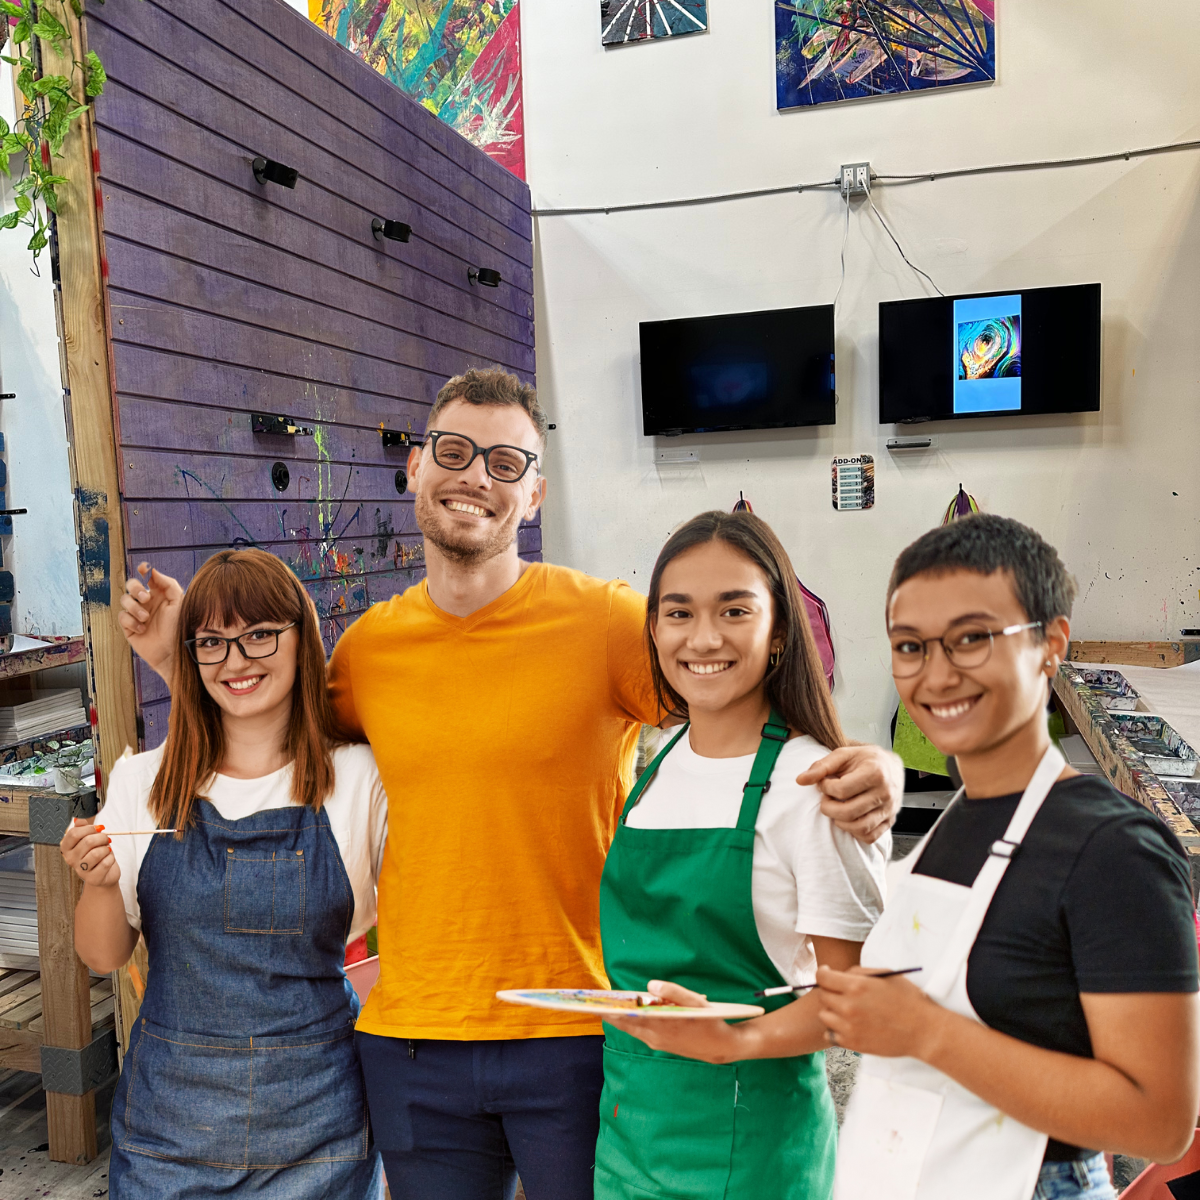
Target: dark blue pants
x=461 y=1120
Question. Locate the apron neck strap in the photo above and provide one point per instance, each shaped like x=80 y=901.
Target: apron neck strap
x=649 y=773
x=774 y=735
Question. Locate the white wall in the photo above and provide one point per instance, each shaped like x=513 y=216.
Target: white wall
x=42 y=554
x=1117 y=492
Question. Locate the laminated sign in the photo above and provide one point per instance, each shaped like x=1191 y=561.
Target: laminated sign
x=854 y=482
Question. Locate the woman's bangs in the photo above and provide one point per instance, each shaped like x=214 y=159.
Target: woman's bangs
x=239 y=593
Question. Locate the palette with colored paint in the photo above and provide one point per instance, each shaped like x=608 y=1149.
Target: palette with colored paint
x=603 y=1003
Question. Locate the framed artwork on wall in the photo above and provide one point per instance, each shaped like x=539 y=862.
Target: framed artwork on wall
x=831 y=50
x=644 y=20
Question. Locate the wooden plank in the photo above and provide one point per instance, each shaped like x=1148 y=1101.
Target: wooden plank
x=14 y=812
x=18 y=1000
x=54 y=654
x=1136 y=654
x=195 y=171
x=393 y=292
x=100 y=997
x=163 y=523
x=140 y=271
x=66 y=1001
x=12 y=978
x=20 y=1053
x=313 y=49
x=1124 y=766
x=79 y=301
x=149 y=322
x=169 y=64
x=146 y=372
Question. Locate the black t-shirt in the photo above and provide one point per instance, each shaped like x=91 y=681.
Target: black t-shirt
x=1097 y=899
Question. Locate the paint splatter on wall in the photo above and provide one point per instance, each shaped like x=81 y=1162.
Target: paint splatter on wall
x=461 y=59
x=830 y=50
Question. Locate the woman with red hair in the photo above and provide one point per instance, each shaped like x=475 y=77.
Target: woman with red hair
x=241 y=1074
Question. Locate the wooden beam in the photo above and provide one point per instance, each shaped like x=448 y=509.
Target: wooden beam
x=1124 y=766
x=66 y=1001
x=1136 y=654
x=87 y=376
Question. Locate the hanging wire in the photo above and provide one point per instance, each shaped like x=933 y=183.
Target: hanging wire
x=845 y=236
x=896 y=243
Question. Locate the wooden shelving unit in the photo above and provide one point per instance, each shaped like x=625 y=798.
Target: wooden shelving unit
x=23 y=1022
x=59 y=652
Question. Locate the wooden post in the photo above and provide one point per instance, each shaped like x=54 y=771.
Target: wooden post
x=66 y=1006
x=87 y=379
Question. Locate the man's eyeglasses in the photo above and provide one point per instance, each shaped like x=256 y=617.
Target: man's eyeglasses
x=258 y=643
x=456 y=452
x=966 y=646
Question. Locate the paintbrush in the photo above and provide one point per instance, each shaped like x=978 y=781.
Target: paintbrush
x=137 y=832
x=786 y=988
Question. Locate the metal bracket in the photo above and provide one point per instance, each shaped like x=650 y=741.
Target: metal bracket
x=394 y=439
x=265 y=423
x=77 y=1072
x=50 y=813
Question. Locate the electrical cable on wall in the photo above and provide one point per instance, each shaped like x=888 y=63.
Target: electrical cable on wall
x=881 y=180
x=845 y=236
x=895 y=242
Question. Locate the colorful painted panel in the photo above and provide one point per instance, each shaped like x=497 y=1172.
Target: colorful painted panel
x=461 y=59
x=641 y=20
x=830 y=50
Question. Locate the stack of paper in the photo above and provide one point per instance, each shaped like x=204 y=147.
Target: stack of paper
x=18 y=905
x=47 y=712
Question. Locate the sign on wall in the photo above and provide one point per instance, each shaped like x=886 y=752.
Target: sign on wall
x=854 y=483
x=831 y=50
x=461 y=59
x=641 y=20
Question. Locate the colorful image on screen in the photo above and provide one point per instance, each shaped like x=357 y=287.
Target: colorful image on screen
x=987 y=354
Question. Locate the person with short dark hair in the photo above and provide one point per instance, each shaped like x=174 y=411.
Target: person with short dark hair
x=1046 y=920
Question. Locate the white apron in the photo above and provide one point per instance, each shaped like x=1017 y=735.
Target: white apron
x=912 y=1133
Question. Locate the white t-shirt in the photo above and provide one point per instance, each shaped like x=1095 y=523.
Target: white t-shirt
x=808 y=876
x=357 y=810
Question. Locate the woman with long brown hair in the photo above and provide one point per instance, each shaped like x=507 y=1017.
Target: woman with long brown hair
x=258 y=840
x=725 y=879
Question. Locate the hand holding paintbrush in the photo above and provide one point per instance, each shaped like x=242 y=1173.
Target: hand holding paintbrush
x=87 y=849
x=787 y=988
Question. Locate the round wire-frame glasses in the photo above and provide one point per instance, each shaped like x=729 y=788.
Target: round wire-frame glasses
x=965 y=646
x=211 y=649
x=456 y=452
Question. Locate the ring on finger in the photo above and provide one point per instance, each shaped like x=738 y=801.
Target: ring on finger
x=83 y=866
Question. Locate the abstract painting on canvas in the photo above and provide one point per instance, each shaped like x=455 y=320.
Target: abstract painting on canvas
x=641 y=20
x=831 y=50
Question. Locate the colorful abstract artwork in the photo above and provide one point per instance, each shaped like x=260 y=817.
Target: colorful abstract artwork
x=461 y=59
x=641 y=20
x=831 y=50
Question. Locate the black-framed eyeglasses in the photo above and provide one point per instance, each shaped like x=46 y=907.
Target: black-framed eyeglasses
x=210 y=649
x=456 y=452
x=965 y=646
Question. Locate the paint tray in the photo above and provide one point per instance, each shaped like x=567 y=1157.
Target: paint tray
x=1114 y=691
x=1185 y=793
x=1165 y=752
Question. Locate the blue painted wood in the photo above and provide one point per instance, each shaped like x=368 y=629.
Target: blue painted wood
x=227 y=297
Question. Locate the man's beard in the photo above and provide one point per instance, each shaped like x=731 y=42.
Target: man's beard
x=462 y=549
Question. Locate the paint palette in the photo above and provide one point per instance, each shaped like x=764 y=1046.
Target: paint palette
x=1186 y=794
x=1165 y=752
x=1114 y=691
x=603 y=1003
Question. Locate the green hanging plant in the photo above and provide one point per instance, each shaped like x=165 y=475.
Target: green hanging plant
x=50 y=107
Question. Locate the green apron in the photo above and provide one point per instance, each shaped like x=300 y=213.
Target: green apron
x=676 y=904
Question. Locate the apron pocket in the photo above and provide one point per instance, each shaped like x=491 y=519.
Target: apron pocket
x=188 y=1096
x=309 y=1101
x=264 y=893
x=242 y=1102
x=666 y=1126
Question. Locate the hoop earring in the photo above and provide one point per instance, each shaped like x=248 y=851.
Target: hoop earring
x=776 y=655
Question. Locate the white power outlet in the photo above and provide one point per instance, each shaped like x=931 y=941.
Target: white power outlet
x=854 y=179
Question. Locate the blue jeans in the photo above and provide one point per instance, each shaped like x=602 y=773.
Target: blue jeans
x=460 y=1120
x=1086 y=1178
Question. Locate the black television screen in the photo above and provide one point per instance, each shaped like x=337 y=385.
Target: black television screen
x=991 y=353
x=759 y=370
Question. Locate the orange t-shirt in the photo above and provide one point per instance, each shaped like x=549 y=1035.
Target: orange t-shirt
x=505 y=741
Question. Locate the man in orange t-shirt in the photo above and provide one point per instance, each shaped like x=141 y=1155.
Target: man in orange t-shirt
x=503 y=701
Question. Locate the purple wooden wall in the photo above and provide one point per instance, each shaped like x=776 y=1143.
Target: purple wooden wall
x=227 y=297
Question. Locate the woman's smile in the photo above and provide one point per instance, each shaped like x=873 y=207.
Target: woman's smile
x=705 y=668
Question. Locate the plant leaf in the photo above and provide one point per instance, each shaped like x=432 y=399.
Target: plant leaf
x=24 y=204
x=4 y=163
x=11 y=10
x=20 y=32
x=49 y=28
x=50 y=199
x=10 y=220
x=96 y=77
x=54 y=180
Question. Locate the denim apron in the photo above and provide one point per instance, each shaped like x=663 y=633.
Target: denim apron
x=676 y=904
x=241 y=1073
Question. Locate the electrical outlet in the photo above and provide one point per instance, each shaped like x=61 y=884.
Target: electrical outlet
x=854 y=179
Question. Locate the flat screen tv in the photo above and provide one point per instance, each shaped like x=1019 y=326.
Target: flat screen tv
x=990 y=354
x=758 y=370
